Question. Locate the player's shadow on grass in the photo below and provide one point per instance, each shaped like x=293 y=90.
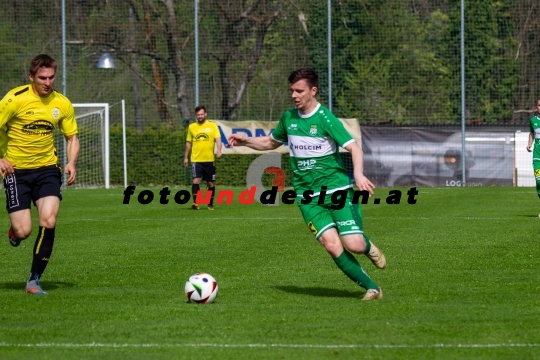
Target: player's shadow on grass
x=529 y=215
x=48 y=285
x=318 y=291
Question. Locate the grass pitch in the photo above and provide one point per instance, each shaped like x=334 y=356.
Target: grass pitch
x=462 y=282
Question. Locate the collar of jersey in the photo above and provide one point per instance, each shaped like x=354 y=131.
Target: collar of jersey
x=32 y=93
x=311 y=113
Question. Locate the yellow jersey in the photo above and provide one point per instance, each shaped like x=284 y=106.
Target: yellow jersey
x=27 y=124
x=202 y=139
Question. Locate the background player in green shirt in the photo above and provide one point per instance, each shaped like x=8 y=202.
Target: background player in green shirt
x=534 y=140
x=314 y=134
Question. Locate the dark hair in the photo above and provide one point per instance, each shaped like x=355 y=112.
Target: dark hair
x=305 y=74
x=41 y=61
x=200 y=107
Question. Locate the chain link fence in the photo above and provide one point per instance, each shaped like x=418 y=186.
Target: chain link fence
x=394 y=63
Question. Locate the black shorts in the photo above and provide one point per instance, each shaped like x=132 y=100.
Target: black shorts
x=204 y=170
x=25 y=186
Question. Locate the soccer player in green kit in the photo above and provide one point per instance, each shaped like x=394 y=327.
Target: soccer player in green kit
x=534 y=138
x=314 y=134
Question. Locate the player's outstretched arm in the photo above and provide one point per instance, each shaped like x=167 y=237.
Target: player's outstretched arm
x=357 y=155
x=256 y=143
x=531 y=140
x=73 y=149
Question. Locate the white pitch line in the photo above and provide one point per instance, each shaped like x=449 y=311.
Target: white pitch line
x=293 y=218
x=441 y=217
x=299 y=346
x=181 y=219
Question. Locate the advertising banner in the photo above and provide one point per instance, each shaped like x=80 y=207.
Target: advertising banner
x=264 y=128
x=432 y=157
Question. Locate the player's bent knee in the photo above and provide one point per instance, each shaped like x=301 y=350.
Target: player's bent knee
x=48 y=223
x=22 y=231
x=331 y=243
x=355 y=243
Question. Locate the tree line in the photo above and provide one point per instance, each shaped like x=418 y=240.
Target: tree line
x=393 y=61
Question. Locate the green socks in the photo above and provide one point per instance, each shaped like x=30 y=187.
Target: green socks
x=351 y=267
x=368 y=244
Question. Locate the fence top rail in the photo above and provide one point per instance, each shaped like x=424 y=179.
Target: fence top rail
x=90 y=104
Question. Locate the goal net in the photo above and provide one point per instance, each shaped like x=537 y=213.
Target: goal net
x=93 y=162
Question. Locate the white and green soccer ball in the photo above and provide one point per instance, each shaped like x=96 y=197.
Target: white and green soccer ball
x=201 y=288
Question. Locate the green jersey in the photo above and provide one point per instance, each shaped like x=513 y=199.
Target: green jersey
x=535 y=130
x=313 y=145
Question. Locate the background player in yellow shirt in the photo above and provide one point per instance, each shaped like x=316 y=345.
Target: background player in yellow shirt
x=201 y=136
x=29 y=115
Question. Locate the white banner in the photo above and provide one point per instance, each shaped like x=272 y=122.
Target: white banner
x=264 y=128
x=524 y=174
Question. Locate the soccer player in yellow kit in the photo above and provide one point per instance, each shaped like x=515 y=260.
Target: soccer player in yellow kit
x=201 y=136
x=29 y=115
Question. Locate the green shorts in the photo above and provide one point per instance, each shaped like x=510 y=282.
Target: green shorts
x=321 y=217
x=536 y=166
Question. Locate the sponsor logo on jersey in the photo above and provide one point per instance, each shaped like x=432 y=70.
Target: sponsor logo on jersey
x=202 y=137
x=537 y=173
x=312 y=228
x=293 y=127
x=306 y=164
x=346 y=223
x=10 y=187
x=39 y=127
x=313 y=129
x=305 y=147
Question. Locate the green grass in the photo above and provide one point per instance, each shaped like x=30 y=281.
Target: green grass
x=462 y=282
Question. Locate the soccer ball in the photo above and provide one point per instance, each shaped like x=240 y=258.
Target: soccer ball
x=201 y=288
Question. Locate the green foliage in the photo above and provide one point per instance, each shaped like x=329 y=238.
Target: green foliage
x=156 y=155
x=392 y=63
x=491 y=66
x=10 y=63
x=392 y=60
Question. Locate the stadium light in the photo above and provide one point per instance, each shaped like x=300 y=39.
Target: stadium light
x=106 y=61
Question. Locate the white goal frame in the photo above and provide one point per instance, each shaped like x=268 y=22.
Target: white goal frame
x=106 y=153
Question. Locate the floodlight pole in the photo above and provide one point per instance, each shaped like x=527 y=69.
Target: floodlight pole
x=196 y=29
x=64 y=80
x=64 y=47
x=329 y=5
x=463 y=154
x=124 y=145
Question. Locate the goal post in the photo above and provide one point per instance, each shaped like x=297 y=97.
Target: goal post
x=93 y=163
